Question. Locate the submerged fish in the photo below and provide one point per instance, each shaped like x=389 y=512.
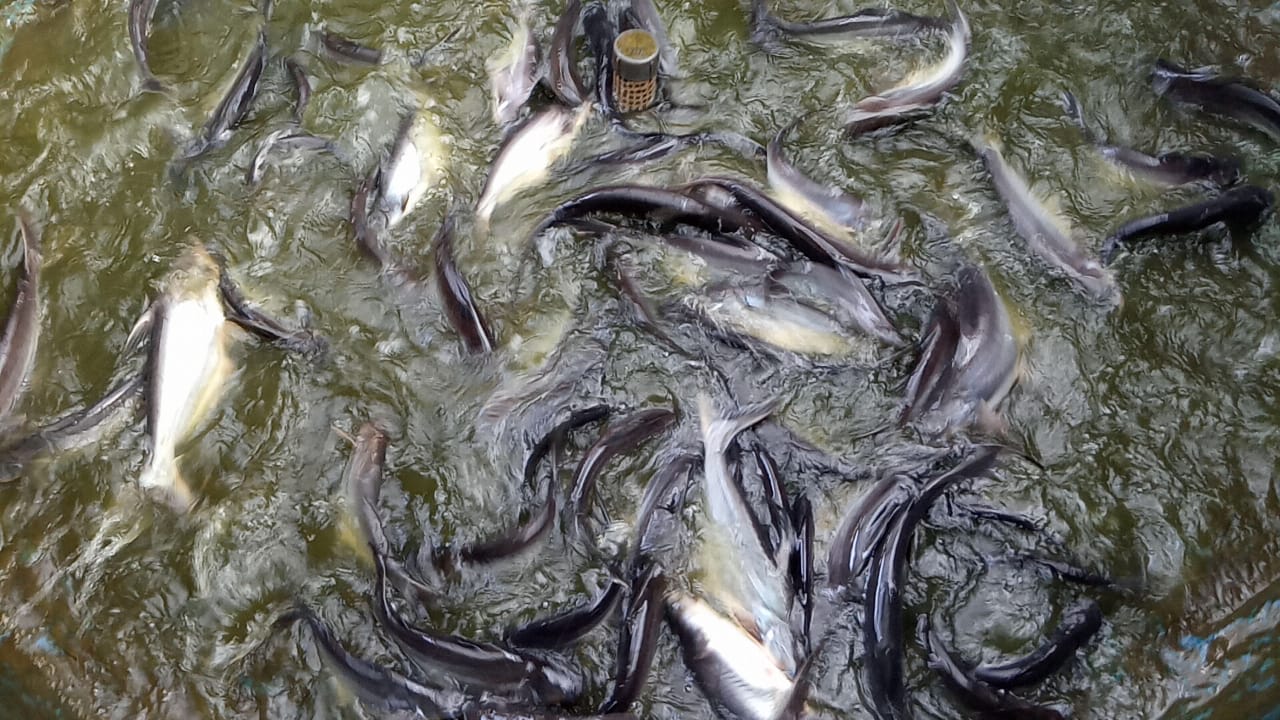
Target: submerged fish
x=869 y=22
x=562 y=71
x=460 y=307
x=1046 y=232
x=141 y=13
x=22 y=328
x=1169 y=169
x=969 y=361
x=1080 y=623
x=344 y=49
x=187 y=366
x=920 y=91
x=1242 y=207
x=235 y=104
x=514 y=73
x=285 y=138
x=526 y=156
x=415 y=162
x=774 y=318
x=1235 y=98
x=833 y=209
x=301 y=86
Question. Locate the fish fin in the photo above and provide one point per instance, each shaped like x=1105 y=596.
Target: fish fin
x=30 y=241
x=719 y=432
x=150 y=84
x=141 y=331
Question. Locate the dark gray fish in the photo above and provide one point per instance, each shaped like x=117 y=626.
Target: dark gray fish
x=234 y=106
x=524 y=535
x=990 y=702
x=22 y=328
x=1236 y=98
x=74 y=430
x=827 y=206
x=621 y=437
x=140 y=14
x=804 y=238
x=362 y=486
x=802 y=572
x=919 y=92
x=301 y=87
x=1046 y=232
x=376 y=686
x=864 y=528
x=344 y=49
x=882 y=600
x=290 y=138
x=460 y=307
x=483 y=668
x=567 y=628
x=640 y=201
x=969 y=362
x=600 y=32
x=1169 y=169
x=562 y=72
x=1243 y=207
x=638 y=638
x=1080 y=623
x=657 y=493
x=251 y=319
x=781 y=529
x=870 y=22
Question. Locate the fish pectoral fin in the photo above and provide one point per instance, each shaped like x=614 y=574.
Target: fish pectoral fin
x=240 y=312
x=141 y=331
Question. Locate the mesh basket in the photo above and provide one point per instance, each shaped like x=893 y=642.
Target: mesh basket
x=635 y=70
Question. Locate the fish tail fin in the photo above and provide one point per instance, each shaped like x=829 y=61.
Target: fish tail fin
x=959 y=23
x=164 y=480
x=719 y=432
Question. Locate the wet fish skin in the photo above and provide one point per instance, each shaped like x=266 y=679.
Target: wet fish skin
x=990 y=702
x=460 y=307
x=567 y=628
x=187 y=367
x=234 y=106
x=642 y=201
x=864 y=528
x=239 y=311
x=801 y=566
x=743 y=576
x=1169 y=169
x=969 y=362
x=1043 y=232
x=522 y=536
x=527 y=155
x=22 y=327
x=349 y=50
x=739 y=676
x=772 y=318
x=301 y=86
x=621 y=437
x=638 y=637
x=375 y=685
x=141 y=13
x=650 y=146
x=882 y=599
x=1236 y=98
x=778 y=541
x=414 y=162
x=514 y=74
x=828 y=206
x=1080 y=623
x=479 y=667
x=566 y=83
x=286 y=138
x=913 y=96
x=848 y=292
x=646 y=13
x=1242 y=207
x=601 y=32
x=807 y=240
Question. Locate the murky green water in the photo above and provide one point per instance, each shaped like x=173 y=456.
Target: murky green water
x=1159 y=424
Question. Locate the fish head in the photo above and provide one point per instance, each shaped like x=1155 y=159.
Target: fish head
x=195 y=272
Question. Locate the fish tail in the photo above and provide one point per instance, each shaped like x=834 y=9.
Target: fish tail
x=959 y=23
x=719 y=432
